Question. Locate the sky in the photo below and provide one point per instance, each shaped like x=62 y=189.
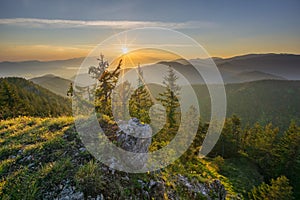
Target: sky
x=54 y=30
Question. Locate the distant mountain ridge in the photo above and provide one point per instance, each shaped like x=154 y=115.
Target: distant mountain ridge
x=230 y=72
x=34 y=68
x=283 y=65
x=251 y=76
x=273 y=66
x=53 y=83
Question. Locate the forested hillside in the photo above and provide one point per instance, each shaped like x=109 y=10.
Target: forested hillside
x=265 y=101
x=268 y=101
x=19 y=97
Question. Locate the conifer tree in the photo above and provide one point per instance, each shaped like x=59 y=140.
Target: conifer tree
x=170 y=99
x=287 y=155
x=278 y=189
x=140 y=101
x=107 y=82
x=70 y=91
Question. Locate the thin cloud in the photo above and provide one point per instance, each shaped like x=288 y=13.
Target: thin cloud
x=58 y=23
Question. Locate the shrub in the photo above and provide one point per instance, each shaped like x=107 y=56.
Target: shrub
x=278 y=189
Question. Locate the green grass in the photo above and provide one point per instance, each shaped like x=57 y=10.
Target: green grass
x=37 y=155
x=35 y=141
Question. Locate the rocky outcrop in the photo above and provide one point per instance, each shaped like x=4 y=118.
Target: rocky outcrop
x=135 y=137
x=210 y=190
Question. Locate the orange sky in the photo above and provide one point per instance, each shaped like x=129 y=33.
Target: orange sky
x=53 y=52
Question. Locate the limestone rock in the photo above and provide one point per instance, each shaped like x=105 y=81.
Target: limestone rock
x=135 y=137
x=211 y=190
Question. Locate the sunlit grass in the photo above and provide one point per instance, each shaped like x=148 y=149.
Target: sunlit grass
x=38 y=137
x=53 y=157
x=5 y=164
x=8 y=150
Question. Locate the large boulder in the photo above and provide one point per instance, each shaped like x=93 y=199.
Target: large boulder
x=134 y=137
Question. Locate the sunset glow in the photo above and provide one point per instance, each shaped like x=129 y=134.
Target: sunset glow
x=124 y=50
x=63 y=35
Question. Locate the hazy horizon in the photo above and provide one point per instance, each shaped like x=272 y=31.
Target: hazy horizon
x=229 y=57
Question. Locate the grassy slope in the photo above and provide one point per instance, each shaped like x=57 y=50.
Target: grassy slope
x=38 y=155
x=33 y=155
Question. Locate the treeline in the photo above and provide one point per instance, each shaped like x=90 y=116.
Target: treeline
x=20 y=97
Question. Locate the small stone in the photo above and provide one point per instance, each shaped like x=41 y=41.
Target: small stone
x=77 y=196
x=30 y=157
x=100 y=197
x=151 y=184
x=65 y=198
x=30 y=165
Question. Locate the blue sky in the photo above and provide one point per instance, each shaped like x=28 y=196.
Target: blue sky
x=64 y=29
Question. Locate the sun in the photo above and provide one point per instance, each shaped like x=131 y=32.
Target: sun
x=124 y=50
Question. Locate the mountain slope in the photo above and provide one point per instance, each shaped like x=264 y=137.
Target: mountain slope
x=240 y=69
x=53 y=83
x=275 y=101
x=19 y=96
x=250 y=76
x=45 y=159
x=265 y=101
x=284 y=65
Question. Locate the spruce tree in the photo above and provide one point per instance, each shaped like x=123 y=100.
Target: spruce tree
x=287 y=155
x=278 y=189
x=140 y=101
x=107 y=82
x=170 y=99
x=70 y=91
